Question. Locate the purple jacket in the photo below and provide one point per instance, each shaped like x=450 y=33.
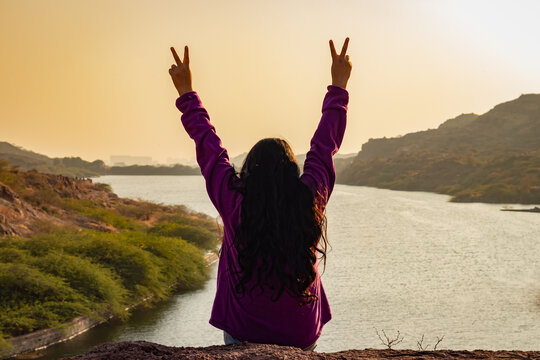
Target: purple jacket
x=256 y=318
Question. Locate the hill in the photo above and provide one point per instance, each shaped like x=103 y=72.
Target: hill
x=76 y=167
x=68 y=166
x=494 y=157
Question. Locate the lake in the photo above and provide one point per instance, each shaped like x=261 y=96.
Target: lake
x=407 y=261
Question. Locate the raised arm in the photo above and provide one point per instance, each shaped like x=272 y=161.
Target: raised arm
x=211 y=155
x=319 y=172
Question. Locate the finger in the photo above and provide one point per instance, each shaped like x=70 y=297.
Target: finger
x=186 y=55
x=176 y=58
x=332 y=49
x=344 y=48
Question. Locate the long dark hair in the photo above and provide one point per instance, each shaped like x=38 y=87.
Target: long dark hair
x=282 y=228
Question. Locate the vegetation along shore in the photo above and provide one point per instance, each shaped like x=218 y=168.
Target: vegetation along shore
x=71 y=248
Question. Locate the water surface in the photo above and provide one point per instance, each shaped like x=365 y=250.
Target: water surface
x=407 y=261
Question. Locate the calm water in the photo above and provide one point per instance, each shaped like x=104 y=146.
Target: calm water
x=407 y=261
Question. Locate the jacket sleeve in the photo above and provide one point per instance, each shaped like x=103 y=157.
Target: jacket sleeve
x=211 y=155
x=319 y=172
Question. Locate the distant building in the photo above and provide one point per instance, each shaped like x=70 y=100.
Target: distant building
x=120 y=160
x=182 y=161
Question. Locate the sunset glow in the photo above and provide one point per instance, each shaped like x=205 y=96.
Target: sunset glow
x=90 y=78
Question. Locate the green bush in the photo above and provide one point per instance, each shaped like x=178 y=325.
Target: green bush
x=5 y=347
x=9 y=176
x=194 y=234
x=97 y=283
x=186 y=275
x=32 y=300
x=198 y=220
x=141 y=210
x=51 y=278
x=91 y=210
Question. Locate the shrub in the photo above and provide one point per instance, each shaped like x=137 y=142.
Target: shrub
x=91 y=210
x=32 y=300
x=97 y=283
x=105 y=187
x=52 y=277
x=141 y=210
x=193 y=234
x=186 y=267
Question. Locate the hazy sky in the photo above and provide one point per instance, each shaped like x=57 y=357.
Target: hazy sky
x=90 y=78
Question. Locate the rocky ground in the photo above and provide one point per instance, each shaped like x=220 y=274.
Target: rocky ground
x=36 y=199
x=20 y=217
x=147 y=350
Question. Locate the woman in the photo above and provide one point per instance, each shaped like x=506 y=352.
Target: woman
x=268 y=285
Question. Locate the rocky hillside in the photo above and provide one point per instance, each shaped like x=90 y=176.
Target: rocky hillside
x=41 y=203
x=494 y=157
x=31 y=201
x=510 y=126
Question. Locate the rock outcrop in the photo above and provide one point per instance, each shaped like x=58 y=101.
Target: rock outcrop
x=245 y=351
x=38 y=199
x=33 y=199
x=17 y=217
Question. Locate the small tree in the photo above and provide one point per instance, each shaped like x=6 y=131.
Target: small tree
x=387 y=341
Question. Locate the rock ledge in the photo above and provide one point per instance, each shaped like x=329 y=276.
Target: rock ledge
x=148 y=350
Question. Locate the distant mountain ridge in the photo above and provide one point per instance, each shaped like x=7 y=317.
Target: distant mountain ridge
x=519 y=118
x=76 y=167
x=493 y=157
x=9 y=149
x=68 y=166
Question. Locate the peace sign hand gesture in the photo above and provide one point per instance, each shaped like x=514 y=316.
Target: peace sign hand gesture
x=180 y=73
x=341 y=66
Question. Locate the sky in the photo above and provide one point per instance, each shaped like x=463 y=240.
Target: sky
x=90 y=78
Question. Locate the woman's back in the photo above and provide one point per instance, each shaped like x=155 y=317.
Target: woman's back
x=253 y=301
x=255 y=316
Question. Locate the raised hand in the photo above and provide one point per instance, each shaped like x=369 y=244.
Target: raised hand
x=180 y=73
x=341 y=66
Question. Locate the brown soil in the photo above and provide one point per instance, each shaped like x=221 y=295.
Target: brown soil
x=147 y=350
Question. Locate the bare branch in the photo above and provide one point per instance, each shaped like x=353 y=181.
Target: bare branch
x=387 y=341
x=420 y=345
x=438 y=342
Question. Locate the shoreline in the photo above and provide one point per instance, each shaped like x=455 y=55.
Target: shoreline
x=535 y=209
x=42 y=339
